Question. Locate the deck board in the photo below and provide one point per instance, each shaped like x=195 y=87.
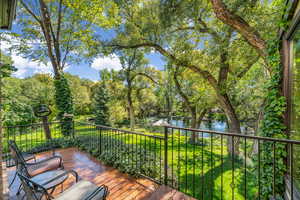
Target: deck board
x=121 y=186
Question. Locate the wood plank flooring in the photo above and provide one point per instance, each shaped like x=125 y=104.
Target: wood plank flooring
x=121 y=186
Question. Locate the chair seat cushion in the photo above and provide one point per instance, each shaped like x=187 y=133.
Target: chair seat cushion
x=41 y=167
x=51 y=179
x=83 y=190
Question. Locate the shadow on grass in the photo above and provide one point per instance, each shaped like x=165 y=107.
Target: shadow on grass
x=226 y=180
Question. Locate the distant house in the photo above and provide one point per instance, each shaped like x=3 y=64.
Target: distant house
x=7 y=13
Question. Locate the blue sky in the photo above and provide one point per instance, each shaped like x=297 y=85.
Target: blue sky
x=28 y=67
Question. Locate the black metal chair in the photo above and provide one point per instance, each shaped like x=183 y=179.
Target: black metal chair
x=35 y=168
x=82 y=190
x=11 y=163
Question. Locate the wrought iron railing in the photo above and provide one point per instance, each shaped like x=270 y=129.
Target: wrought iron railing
x=27 y=137
x=201 y=163
x=218 y=165
x=131 y=151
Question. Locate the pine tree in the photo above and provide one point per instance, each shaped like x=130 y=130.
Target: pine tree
x=101 y=111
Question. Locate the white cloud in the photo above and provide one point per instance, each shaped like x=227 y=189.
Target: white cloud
x=109 y=62
x=26 y=67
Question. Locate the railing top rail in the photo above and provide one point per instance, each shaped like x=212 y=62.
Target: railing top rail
x=122 y=130
x=237 y=135
x=33 y=124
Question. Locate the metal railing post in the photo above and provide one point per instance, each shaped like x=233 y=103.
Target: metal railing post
x=73 y=131
x=100 y=142
x=166 y=157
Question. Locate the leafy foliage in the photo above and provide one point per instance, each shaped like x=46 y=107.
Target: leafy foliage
x=101 y=109
x=6 y=70
x=64 y=103
x=125 y=157
x=272 y=126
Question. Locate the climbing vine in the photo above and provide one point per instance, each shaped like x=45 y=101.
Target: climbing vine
x=64 y=104
x=272 y=126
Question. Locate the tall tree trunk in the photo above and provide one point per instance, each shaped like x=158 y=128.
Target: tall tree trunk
x=200 y=117
x=46 y=128
x=194 y=135
x=130 y=107
x=259 y=118
x=233 y=123
x=169 y=107
x=191 y=107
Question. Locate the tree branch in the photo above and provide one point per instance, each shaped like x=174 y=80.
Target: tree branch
x=59 y=20
x=247 y=68
x=239 y=24
x=30 y=12
x=205 y=74
x=145 y=75
x=181 y=93
x=224 y=69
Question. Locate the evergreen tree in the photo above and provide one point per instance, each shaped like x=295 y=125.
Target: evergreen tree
x=101 y=110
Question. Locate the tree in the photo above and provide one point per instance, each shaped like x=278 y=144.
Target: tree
x=117 y=91
x=195 y=96
x=177 y=32
x=81 y=91
x=53 y=24
x=269 y=51
x=133 y=65
x=6 y=70
x=58 y=34
x=236 y=22
x=100 y=101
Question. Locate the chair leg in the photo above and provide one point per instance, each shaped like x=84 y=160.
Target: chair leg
x=13 y=180
x=23 y=197
x=52 y=190
x=19 y=190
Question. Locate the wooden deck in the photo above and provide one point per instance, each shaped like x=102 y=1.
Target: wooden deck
x=121 y=186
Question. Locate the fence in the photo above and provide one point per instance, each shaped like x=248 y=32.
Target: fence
x=27 y=137
x=133 y=152
x=201 y=163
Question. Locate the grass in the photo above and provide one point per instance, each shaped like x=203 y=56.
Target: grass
x=208 y=165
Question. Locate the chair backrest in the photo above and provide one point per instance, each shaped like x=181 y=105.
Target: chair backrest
x=17 y=156
x=33 y=191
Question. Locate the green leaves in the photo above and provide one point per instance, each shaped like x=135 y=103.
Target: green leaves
x=64 y=104
x=6 y=70
x=272 y=126
x=103 y=13
x=100 y=105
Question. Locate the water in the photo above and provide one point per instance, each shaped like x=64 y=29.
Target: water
x=213 y=125
x=205 y=125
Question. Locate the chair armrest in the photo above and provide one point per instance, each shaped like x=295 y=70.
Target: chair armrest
x=46 y=160
x=74 y=173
